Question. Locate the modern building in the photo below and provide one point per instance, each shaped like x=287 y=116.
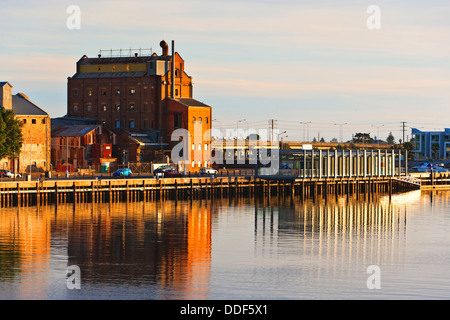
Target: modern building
x=137 y=93
x=35 y=153
x=431 y=144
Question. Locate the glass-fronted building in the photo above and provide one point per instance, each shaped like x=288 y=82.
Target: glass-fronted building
x=431 y=144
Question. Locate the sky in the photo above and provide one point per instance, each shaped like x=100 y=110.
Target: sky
x=313 y=61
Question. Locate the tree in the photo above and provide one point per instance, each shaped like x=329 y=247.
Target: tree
x=390 y=139
x=362 y=138
x=334 y=140
x=322 y=140
x=11 y=139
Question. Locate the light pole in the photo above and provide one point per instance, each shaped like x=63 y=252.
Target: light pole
x=341 y=130
x=305 y=128
x=280 y=134
x=237 y=126
x=378 y=133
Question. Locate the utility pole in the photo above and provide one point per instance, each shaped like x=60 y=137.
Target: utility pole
x=404 y=130
x=272 y=126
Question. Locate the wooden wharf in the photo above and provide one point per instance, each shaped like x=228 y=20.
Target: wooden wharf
x=26 y=193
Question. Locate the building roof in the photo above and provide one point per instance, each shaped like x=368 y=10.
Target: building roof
x=72 y=131
x=189 y=102
x=417 y=131
x=109 y=75
x=22 y=106
x=73 y=121
x=118 y=60
x=2 y=83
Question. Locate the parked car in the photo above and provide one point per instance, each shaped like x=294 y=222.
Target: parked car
x=125 y=172
x=172 y=174
x=9 y=174
x=163 y=169
x=208 y=170
x=427 y=167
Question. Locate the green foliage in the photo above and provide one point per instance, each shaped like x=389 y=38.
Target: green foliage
x=362 y=138
x=390 y=139
x=10 y=134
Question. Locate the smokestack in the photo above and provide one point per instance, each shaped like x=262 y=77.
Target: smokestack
x=173 y=68
x=165 y=48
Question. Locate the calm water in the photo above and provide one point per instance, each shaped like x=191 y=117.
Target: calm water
x=230 y=249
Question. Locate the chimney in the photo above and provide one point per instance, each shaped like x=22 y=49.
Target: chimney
x=165 y=48
x=173 y=69
x=6 y=95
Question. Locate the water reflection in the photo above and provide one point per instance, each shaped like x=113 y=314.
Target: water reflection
x=180 y=250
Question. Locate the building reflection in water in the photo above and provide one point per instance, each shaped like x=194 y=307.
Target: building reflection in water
x=25 y=235
x=165 y=248
x=167 y=245
x=335 y=233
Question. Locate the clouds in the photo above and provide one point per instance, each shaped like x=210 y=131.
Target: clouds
x=253 y=51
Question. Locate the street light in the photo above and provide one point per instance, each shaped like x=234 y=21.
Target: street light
x=305 y=126
x=378 y=133
x=237 y=126
x=341 y=130
x=280 y=134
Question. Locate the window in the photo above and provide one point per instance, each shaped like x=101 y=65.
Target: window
x=117 y=124
x=193 y=164
x=206 y=120
x=104 y=108
x=131 y=107
x=132 y=92
x=177 y=120
x=33 y=121
x=193 y=145
x=199 y=146
x=90 y=92
x=117 y=107
x=75 y=108
x=43 y=121
x=199 y=164
x=103 y=92
x=176 y=92
x=206 y=147
x=117 y=92
x=89 y=108
x=131 y=124
x=75 y=93
x=24 y=121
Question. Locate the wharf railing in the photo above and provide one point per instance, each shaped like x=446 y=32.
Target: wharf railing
x=150 y=189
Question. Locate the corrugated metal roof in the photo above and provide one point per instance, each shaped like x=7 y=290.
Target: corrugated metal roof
x=22 y=106
x=189 y=102
x=109 y=75
x=72 y=131
x=119 y=60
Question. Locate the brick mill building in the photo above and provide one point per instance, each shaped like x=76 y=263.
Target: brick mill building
x=139 y=94
x=35 y=153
